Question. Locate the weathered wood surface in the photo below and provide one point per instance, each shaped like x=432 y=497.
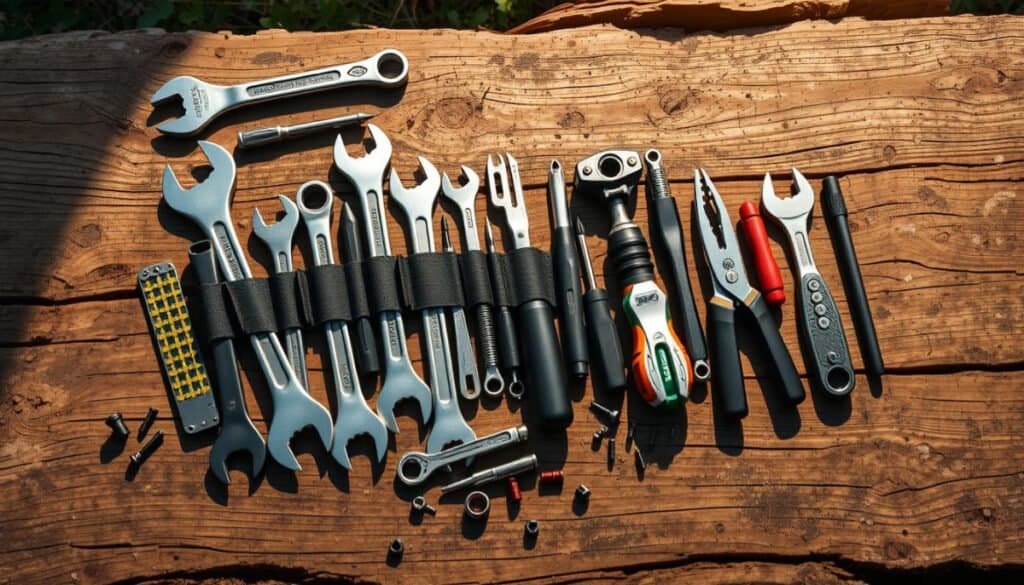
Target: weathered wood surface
x=721 y=15
x=923 y=118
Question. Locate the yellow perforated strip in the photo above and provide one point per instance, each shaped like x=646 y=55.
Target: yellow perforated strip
x=172 y=328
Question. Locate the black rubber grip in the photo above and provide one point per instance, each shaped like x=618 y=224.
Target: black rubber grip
x=567 y=290
x=628 y=251
x=548 y=388
x=726 y=371
x=849 y=271
x=668 y=237
x=508 y=345
x=823 y=338
x=607 y=362
x=778 y=354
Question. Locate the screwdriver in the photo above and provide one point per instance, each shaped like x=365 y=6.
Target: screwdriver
x=602 y=338
x=364 y=343
x=567 y=277
x=660 y=367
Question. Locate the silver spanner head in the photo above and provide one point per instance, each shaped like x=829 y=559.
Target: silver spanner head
x=418 y=203
x=796 y=207
x=278 y=235
x=203 y=101
x=366 y=172
x=465 y=197
x=207 y=204
x=506 y=190
x=234 y=438
x=354 y=415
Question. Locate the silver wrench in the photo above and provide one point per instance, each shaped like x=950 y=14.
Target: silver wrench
x=465 y=197
x=367 y=175
x=414 y=467
x=205 y=101
x=207 y=204
x=354 y=415
x=418 y=204
x=469 y=378
x=278 y=238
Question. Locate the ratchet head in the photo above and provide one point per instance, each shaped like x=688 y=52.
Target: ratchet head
x=292 y=414
x=235 y=437
x=353 y=422
x=799 y=204
x=210 y=199
x=417 y=202
x=202 y=102
x=610 y=176
x=465 y=195
x=278 y=235
x=721 y=249
x=506 y=191
x=365 y=172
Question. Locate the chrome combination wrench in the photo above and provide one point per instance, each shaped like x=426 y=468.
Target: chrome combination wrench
x=203 y=102
x=418 y=204
x=414 y=467
x=207 y=204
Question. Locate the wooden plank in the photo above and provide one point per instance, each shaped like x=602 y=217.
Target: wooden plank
x=720 y=15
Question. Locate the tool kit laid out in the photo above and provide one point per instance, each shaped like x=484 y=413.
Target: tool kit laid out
x=538 y=322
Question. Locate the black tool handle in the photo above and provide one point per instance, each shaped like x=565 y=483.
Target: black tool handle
x=508 y=344
x=669 y=237
x=778 y=353
x=548 y=388
x=607 y=362
x=229 y=385
x=849 y=269
x=567 y=289
x=727 y=373
x=823 y=337
x=364 y=346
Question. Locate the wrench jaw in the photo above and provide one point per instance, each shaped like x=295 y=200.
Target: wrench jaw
x=465 y=195
x=417 y=202
x=368 y=169
x=234 y=438
x=290 y=417
x=401 y=383
x=447 y=430
x=353 y=422
x=201 y=101
x=278 y=235
x=793 y=207
x=210 y=198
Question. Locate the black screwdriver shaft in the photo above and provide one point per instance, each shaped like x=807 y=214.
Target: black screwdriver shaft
x=607 y=363
x=364 y=344
x=567 y=277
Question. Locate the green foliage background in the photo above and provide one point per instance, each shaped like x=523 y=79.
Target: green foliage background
x=22 y=18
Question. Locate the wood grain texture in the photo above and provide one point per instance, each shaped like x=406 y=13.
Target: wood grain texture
x=922 y=118
x=721 y=15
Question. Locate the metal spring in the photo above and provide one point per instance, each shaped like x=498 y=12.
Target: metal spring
x=486 y=324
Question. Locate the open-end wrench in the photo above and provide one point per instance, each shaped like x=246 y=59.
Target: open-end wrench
x=205 y=101
x=237 y=433
x=354 y=415
x=367 y=175
x=465 y=197
x=821 y=331
x=414 y=467
x=418 y=204
x=278 y=238
x=207 y=204
x=469 y=378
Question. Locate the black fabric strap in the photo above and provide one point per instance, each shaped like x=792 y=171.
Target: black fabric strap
x=500 y=286
x=431 y=280
x=382 y=279
x=250 y=300
x=532 y=277
x=215 y=318
x=476 y=282
x=290 y=293
x=328 y=294
x=358 y=300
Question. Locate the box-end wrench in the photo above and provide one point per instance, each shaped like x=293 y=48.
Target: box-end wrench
x=469 y=377
x=465 y=197
x=414 y=467
x=418 y=205
x=367 y=175
x=207 y=204
x=205 y=101
x=237 y=433
x=821 y=331
x=278 y=238
x=354 y=415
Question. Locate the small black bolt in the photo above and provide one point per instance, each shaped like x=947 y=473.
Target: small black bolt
x=640 y=459
x=420 y=505
x=582 y=492
x=613 y=415
x=151 y=445
x=611 y=451
x=532 y=528
x=397 y=547
x=595 y=442
x=147 y=422
x=116 y=424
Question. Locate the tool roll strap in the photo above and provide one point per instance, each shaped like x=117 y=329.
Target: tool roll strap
x=431 y=280
x=476 y=279
x=290 y=294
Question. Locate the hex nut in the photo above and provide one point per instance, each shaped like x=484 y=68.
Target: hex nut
x=532 y=527
x=396 y=548
x=478 y=505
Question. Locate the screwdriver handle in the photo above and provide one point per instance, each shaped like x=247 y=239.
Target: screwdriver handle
x=567 y=289
x=545 y=373
x=607 y=363
x=755 y=235
x=731 y=392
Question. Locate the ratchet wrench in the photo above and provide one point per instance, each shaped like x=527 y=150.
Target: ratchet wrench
x=414 y=467
x=207 y=204
x=203 y=102
x=367 y=175
x=418 y=205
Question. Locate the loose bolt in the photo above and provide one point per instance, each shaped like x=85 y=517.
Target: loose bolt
x=513 y=490
x=613 y=415
x=420 y=505
x=396 y=548
x=611 y=450
x=116 y=424
x=147 y=422
x=151 y=445
x=582 y=492
x=549 y=477
x=532 y=528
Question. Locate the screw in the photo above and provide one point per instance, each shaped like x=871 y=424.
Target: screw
x=151 y=445
x=587 y=170
x=553 y=476
x=599 y=434
x=396 y=548
x=116 y=424
x=613 y=415
x=513 y=490
x=631 y=161
x=420 y=505
x=582 y=492
x=611 y=451
x=147 y=422
x=640 y=458
x=532 y=528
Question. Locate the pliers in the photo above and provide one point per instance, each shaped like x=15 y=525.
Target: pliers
x=732 y=288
